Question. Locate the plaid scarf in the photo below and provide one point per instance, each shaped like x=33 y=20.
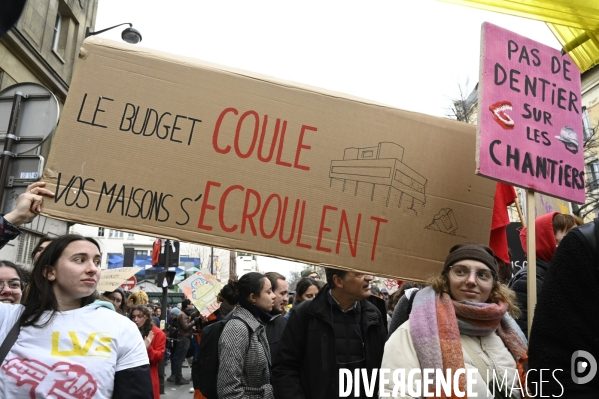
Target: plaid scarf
x=436 y=322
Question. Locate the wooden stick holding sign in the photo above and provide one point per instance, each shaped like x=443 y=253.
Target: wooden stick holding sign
x=531 y=257
x=519 y=208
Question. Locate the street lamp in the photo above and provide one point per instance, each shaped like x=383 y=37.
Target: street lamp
x=129 y=35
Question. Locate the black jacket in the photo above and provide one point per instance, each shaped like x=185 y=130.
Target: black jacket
x=566 y=320
x=519 y=284
x=305 y=365
x=274 y=331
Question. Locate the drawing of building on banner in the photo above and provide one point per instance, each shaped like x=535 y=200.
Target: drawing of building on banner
x=379 y=173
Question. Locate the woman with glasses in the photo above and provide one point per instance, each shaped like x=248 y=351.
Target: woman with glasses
x=462 y=321
x=12 y=279
x=154 y=339
x=68 y=344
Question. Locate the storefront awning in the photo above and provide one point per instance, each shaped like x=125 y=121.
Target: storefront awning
x=575 y=23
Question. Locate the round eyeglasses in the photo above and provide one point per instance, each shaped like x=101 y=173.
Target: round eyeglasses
x=13 y=285
x=462 y=272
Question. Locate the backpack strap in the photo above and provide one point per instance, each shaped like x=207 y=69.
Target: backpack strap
x=9 y=341
x=477 y=361
x=411 y=301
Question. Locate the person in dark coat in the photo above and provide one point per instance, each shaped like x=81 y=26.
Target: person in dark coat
x=550 y=229
x=276 y=325
x=338 y=329
x=183 y=342
x=566 y=321
x=401 y=312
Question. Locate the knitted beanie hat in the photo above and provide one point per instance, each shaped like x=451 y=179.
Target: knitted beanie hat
x=307 y=272
x=472 y=251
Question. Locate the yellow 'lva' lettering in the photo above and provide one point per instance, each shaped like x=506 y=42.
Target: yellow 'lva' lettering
x=102 y=345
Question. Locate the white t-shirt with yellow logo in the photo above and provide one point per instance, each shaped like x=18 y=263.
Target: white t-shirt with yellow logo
x=75 y=356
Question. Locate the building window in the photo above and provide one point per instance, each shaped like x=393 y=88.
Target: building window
x=586 y=124
x=57 y=27
x=27 y=242
x=100 y=231
x=115 y=234
x=141 y=252
x=593 y=175
x=62 y=26
x=131 y=236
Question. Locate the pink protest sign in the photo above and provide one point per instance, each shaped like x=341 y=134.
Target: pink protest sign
x=529 y=116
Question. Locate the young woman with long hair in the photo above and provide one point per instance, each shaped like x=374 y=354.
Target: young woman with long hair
x=118 y=298
x=154 y=339
x=69 y=343
x=305 y=290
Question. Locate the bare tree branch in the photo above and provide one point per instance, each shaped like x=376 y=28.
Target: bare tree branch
x=591 y=162
x=463 y=108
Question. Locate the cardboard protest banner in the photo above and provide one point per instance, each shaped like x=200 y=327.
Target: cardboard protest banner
x=202 y=289
x=173 y=147
x=111 y=279
x=530 y=123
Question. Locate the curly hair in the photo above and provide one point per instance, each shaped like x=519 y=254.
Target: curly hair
x=138 y=298
x=147 y=326
x=499 y=293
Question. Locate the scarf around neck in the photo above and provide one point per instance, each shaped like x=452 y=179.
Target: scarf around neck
x=262 y=316
x=436 y=322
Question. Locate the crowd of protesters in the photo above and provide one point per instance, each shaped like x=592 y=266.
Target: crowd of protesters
x=465 y=317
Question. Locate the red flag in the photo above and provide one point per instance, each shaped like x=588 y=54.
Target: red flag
x=156 y=251
x=505 y=196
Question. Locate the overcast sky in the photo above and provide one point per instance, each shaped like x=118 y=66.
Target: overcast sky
x=407 y=54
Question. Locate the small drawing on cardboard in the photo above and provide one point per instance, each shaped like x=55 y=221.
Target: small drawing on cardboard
x=378 y=173
x=445 y=222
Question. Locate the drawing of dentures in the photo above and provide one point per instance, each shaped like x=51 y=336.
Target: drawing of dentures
x=498 y=111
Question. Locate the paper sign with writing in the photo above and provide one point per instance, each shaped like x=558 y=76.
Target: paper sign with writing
x=202 y=289
x=173 y=147
x=111 y=279
x=392 y=285
x=529 y=117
